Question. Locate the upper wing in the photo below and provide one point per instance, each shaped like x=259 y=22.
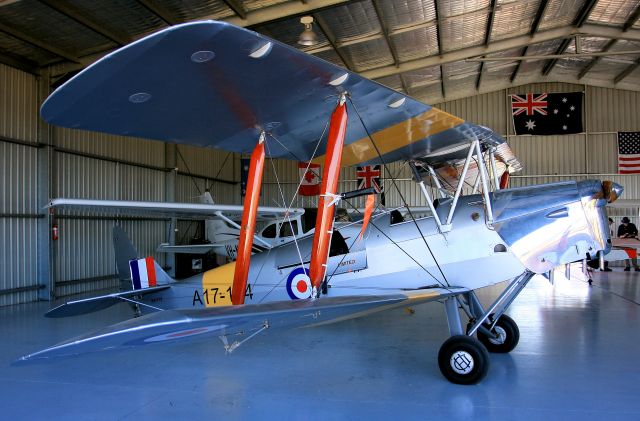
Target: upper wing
x=234 y=321
x=170 y=209
x=213 y=84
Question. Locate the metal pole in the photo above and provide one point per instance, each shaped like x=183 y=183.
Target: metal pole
x=45 y=248
x=494 y=169
x=485 y=185
x=434 y=177
x=509 y=290
x=465 y=168
x=426 y=194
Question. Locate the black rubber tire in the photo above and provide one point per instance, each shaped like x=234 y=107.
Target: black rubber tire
x=508 y=327
x=472 y=353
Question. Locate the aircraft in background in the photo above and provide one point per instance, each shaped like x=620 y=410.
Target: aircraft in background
x=221 y=221
x=240 y=91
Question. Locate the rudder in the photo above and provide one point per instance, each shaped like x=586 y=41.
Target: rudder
x=142 y=273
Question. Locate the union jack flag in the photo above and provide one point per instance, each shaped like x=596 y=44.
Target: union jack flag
x=531 y=104
x=369 y=176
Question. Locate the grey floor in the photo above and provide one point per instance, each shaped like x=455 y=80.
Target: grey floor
x=576 y=360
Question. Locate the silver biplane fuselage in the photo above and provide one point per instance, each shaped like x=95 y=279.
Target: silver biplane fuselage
x=536 y=228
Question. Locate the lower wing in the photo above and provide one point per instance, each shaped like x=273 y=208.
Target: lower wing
x=234 y=322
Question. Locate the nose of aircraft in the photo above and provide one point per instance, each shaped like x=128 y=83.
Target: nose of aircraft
x=611 y=191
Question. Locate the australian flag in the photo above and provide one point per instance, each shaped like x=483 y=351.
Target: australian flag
x=547 y=114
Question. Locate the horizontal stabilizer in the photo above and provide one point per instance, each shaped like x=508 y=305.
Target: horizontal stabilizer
x=235 y=321
x=89 y=305
x=189 y=248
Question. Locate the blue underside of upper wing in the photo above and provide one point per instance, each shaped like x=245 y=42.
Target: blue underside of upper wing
x=224 y=102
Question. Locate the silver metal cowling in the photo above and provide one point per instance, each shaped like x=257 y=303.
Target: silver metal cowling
x=552 y=224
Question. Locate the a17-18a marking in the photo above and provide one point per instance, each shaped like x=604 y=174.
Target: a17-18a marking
x=216 y=295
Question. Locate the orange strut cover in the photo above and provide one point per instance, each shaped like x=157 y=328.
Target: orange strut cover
x=330 y=175
x=368 y=210
x=504 y=180
x=248 y=227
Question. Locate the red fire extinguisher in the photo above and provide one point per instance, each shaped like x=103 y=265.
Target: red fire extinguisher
x=54 y=231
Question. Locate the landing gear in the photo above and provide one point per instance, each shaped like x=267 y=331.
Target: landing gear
x=507 y=333
x=463 y=360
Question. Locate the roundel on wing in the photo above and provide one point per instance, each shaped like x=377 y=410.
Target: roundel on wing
x=299 y=284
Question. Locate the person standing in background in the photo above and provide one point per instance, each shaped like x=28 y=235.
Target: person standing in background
x=628 y=230
x=611 y=235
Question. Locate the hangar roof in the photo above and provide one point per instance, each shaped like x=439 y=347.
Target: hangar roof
x=433 y=50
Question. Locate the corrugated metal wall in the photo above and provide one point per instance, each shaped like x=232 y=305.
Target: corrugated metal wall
x=18 y=104
x=91 y=165
x=18 y=186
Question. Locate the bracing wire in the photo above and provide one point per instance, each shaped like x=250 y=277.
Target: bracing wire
x=188 y=170
x=315 y=150
x=395 y=184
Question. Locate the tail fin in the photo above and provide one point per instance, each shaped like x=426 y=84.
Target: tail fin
x=207 y=198
x=142 y=273
x=146 y=273
x=124 y=252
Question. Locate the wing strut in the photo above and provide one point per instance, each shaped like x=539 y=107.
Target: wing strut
x=328 y=189
x=248 y=227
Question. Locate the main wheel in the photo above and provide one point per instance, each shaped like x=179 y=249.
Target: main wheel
x=508 y=336
x=463 y=360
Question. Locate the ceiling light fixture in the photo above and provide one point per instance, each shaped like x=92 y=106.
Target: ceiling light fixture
x=307 y=37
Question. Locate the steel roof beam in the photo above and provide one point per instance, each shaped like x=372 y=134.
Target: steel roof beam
x=632 y=19
x=501 y=45
x=385 y=32
x=586 y=69
x=487 y=37
x=626 y=72
x=479 y=79
x=627 y=25
x=580 y=19
x=438 y=26
x=160 y=11
x=439 y=39
x=456 y=55
x=328 y=34
x=405 y=86
x=280 y=11
x=486 y=88
x=584 y=13
x=19 y=62
x=38 y=43
x=538 y=18
x=237 y=8
x=72 y=13
x=534 y=28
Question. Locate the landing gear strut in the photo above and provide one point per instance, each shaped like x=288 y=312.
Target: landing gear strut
x=464 y=359
x=505 y=335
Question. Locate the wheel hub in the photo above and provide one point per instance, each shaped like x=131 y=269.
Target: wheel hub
x=502 y=336
x=461 y=362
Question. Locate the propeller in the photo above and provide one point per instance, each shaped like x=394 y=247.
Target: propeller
x=611 y=191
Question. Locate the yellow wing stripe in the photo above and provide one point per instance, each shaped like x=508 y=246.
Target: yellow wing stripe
x=397 y=136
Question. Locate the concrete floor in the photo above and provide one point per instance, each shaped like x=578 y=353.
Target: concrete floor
x=575 y=360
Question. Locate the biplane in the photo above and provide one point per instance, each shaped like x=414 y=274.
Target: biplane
x=216 y=85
